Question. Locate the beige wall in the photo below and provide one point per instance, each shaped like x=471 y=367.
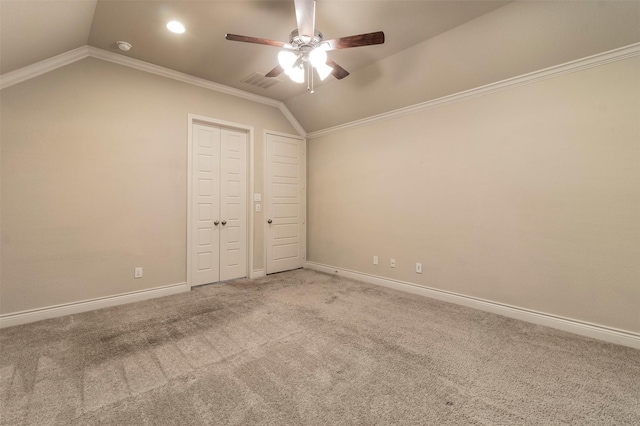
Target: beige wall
x=94 y=180
x=529 y=196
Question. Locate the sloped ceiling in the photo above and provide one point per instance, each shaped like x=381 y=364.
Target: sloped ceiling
x=432 y=48
x=517 y=39
x=31 y=31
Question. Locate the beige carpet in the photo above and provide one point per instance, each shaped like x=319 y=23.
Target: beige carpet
x=307 y=348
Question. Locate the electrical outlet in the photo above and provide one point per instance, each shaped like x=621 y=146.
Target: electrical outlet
x=375 y=260
x=418 y=268
x=138 y=272
x=258 y=208
x=393 y=263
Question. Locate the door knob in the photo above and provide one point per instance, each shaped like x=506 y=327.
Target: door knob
x=224 y=222
x=216 y=223
x=269 y=221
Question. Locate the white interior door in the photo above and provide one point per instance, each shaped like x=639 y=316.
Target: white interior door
x=285 y=196
x=205 y=246
x=233 y=204
x=218 y=230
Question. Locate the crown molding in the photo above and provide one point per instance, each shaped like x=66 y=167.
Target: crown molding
x=26 y=73
x=544 y=74
x=289 y=116
x=176 y=75
x=39 y=68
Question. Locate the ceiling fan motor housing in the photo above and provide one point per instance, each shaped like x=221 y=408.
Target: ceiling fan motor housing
x=310 y=46
x=305 y=43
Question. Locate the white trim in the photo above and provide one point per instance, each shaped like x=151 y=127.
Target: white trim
x=221 y=123
x=34 y=70
x=24 y=317
x=26 y=73
x=304 y=203
x=250 y=205
x=258 y=273
x=187 y=239
x=179 y=76
x=283 y=134
x=595 y=331
x=265 y=201
x=292 y=120
x=250 y=165
x=196 y=81
x=533 y=77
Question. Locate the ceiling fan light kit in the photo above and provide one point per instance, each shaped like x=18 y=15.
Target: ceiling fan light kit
x=324 y=71
x=318 y=57
x=296 y=74
x=307 y=50
x=286 y=59
x=311 y=53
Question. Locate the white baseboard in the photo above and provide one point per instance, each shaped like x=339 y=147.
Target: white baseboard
x=595 y=331
x=24 y=317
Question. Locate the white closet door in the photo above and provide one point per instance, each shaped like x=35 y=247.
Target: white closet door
x=285 y=203
x=233 y=204
x=205 y=248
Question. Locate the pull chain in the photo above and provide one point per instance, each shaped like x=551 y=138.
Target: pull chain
x=311 y=78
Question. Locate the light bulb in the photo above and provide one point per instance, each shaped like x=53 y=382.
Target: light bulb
x=318 y=57
x=297 y=74
x=323 y=71
x=286 y=59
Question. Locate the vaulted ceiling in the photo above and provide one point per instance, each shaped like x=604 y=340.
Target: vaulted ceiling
x=33 y=30
x=423 y=38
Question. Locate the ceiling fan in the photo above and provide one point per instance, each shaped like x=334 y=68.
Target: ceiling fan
x=307 y=48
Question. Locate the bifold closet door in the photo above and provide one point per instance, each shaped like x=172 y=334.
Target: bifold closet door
x=219 y=204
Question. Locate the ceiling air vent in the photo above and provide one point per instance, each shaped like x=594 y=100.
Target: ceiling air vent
x=257 y=79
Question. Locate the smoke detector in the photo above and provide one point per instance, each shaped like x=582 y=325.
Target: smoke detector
x=123 y=45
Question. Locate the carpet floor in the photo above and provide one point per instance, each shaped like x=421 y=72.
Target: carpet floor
x=306 y=348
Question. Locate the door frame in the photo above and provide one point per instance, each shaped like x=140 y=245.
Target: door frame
x=194 y=118
x=265 y=200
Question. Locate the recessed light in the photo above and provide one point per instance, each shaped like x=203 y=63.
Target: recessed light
x=175 y=27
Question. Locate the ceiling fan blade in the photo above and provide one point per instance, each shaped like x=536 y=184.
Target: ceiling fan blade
x=359 y=40
x=338 y=72
x=305 y=16
x=275 y=72
x=256 y=40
